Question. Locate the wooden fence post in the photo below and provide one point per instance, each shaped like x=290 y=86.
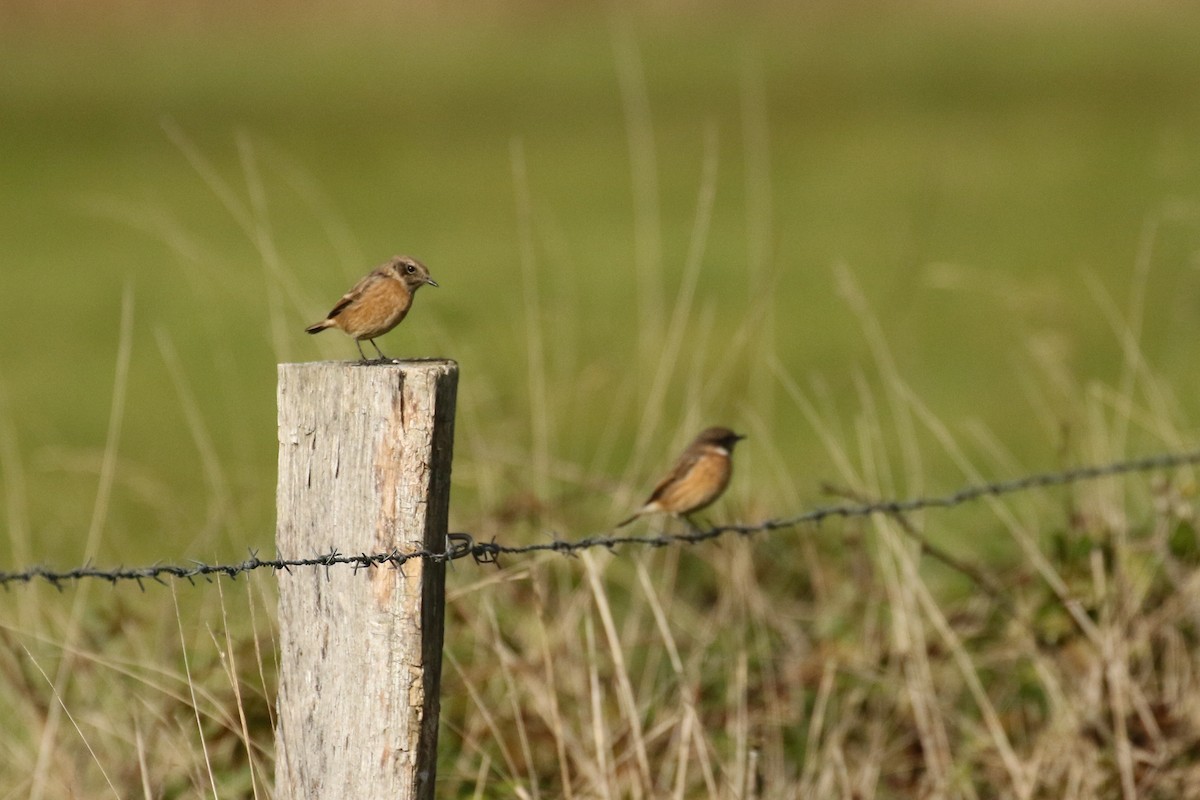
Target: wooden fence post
x=364 y=467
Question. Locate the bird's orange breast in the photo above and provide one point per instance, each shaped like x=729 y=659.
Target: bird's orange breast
x=380 y=307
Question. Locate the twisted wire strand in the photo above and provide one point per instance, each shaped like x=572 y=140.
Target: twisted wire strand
x=462 y=545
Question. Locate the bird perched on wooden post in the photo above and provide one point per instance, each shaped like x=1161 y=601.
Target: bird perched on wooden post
x=377 y=303
x=697 y=479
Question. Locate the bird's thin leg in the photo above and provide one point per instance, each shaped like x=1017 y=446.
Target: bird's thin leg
x=691 y=525
x=361 y=354
x=382 y=357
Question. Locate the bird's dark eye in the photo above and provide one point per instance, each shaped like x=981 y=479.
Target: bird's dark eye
x=410 y=269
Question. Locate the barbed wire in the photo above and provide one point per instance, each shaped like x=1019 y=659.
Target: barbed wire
x=463 y=545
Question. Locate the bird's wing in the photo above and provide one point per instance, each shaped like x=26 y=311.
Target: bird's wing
x=682 y=467
x=356 y=291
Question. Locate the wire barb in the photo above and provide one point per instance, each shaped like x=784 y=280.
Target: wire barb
x=461 y=545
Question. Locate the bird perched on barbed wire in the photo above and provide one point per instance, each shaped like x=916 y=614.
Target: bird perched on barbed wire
x=377 y=303
x=697 y=479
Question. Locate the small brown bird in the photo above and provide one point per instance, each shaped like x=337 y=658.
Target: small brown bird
x=377 y=303
x=697 y=479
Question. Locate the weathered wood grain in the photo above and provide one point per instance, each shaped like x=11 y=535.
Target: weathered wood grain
x=364 y=467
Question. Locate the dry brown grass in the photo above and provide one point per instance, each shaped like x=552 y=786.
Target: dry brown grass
x=832 y=661
x=835 y=662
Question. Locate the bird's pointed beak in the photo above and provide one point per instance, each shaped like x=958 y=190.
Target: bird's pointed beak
x=431 y=282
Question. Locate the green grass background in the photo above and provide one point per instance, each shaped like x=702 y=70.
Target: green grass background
x=975 y=170
x=1011 y=188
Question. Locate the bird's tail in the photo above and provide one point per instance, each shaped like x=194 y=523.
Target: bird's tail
x=319 y=326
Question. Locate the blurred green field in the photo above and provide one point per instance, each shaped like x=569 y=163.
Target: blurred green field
x=973 y=170
x=1014 y=192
